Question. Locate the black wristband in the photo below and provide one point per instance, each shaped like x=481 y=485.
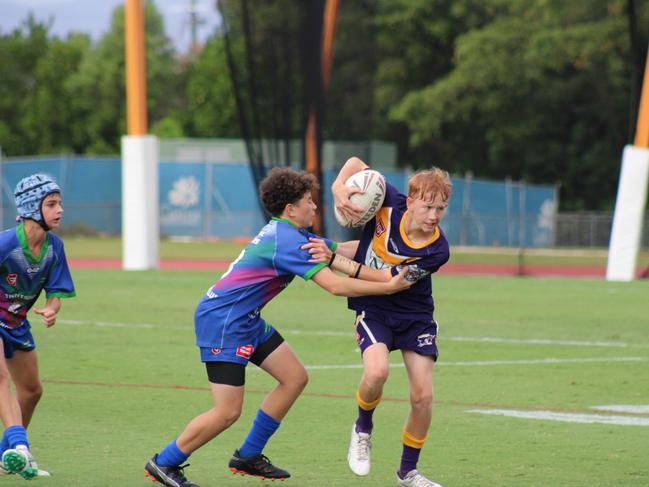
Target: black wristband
x=358 y=271
x=331 y=261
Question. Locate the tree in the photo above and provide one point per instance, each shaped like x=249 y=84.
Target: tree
x=34 y=102
x=100 y=105
x=538 y=94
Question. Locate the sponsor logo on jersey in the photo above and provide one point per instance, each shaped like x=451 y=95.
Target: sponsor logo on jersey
x=12 y=279
x=425 y=340
x=32 y=269
x=14 y=308
x=216 y=351
x=245 y=351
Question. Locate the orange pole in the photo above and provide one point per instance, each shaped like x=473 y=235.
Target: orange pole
x=329 y=30
x=135 y=69
x=331 y=17
x=642 y=127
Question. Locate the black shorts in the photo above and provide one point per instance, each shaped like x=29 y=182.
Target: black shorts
x=234 y=374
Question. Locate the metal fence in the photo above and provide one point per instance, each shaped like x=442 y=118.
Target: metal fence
x=589 y=229
x=212 y=199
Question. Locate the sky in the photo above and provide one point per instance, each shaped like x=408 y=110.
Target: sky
x=93 y=17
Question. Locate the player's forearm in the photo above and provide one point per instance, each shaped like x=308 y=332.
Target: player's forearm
x=347 y=249
x=54 y=304
x=351 y=288
x=352 y=268
x=352 y=166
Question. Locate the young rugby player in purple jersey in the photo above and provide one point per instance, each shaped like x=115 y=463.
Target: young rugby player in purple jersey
x=31 y=259
x=404 y=231
x=231 y=333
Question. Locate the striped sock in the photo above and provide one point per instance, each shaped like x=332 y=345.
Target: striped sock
x=411 y=449
x=364 y=423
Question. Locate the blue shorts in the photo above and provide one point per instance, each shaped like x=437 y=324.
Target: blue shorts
x=240 y=352
x=17 y=339
x=416 y=335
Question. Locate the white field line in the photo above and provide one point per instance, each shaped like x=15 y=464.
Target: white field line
x=539 y=341
x=350 y=334
x=566 y=417
x=624 y=408
x=473 y=363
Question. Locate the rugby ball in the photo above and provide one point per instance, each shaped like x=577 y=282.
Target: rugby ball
x=373 y=185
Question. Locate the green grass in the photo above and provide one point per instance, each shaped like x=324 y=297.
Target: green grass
x=109 y=247
x=122 y=378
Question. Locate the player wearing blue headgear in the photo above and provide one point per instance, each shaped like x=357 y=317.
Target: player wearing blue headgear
x=31 y=259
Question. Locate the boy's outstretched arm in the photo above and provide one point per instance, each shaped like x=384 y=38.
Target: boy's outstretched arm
x=345 y=286
x=50 y=311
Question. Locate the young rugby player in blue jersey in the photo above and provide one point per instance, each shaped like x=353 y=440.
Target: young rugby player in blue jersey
x=31 y=259
x=405 y=231
x=231 y=333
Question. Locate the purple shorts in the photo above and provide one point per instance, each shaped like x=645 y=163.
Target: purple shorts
x=416 y=335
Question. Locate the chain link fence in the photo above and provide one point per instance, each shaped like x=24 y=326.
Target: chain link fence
x=589 y=229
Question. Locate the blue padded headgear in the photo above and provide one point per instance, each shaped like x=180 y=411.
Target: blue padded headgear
x=30 y=193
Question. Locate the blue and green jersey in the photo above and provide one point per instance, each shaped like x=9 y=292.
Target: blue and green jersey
x=263 y=269
x=23 y=276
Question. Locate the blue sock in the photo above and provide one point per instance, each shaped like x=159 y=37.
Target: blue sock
x=16 y=435
x=4 y=444
x=262 y=429
x=172 y=456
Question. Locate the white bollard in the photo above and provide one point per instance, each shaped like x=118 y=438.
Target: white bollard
x=140 y=202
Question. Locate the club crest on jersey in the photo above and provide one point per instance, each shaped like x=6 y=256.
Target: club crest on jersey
x=216 y=351
x=245 y=351
x=425 y=340
x=380 y=228
x=12 y=279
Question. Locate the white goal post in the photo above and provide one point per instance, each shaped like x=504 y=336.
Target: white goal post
x=630 y=204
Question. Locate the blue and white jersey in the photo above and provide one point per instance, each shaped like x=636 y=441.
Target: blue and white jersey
x=23 y=276
x=263 y=269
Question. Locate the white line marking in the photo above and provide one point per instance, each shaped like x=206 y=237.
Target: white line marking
x=537 y=341
x=474 y=363
x=350 y=334
x=624 y=408
x=566 y=417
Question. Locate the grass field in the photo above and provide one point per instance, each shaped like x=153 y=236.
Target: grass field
x=96 y=247
x=122 y=377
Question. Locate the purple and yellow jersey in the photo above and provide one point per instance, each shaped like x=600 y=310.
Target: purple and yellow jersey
x=263 y=269
x=384 y=244
x=23 y=276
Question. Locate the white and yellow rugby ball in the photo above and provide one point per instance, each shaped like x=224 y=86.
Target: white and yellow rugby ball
x=373 y=184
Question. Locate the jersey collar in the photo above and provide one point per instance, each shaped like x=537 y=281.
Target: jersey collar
x=278 y=219
x=410 y=243
x=22 y=238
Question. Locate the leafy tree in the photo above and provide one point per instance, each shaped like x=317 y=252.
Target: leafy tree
x=100 y=107
x=211 y=109
x=34 y=113
x=538 y=94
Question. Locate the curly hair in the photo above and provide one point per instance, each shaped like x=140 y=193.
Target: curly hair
x=283 y=186
x=426 y=184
